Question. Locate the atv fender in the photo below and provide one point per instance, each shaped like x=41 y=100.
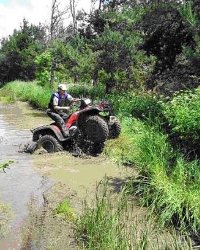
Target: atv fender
x=47 y=130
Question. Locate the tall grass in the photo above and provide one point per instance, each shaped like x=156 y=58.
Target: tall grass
x=114 y=222
x=39 y=95
x=26 y=91
x=170 y=185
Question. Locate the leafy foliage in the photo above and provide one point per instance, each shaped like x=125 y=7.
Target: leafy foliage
x=43 y=63
x=183 y=113
x=64 y=210
x=18 y=53
x=6 y=164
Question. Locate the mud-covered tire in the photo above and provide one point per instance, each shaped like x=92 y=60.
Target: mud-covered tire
x=93 y=149
x=96 y=129
x=96 y=149
x=114 y=129
x=89 y=148
x=49 y=143
x=31 y=147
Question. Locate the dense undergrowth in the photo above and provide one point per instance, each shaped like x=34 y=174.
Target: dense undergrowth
x=168 y=180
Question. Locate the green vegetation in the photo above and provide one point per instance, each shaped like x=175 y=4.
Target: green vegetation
x=26 y=91
x=183 y=113
x=65 y=210
x=6 y=216
x=6 y=164
x=114 y=222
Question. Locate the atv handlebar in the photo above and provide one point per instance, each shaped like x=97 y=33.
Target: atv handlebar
x=103 y=105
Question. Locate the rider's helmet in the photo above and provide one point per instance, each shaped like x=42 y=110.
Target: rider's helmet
x=62 y=87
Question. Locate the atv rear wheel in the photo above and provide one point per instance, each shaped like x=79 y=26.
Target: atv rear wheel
x=114 y=129
x=49 y=143
x=96 y=129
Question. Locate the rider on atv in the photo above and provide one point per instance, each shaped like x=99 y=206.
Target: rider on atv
x=56 y=111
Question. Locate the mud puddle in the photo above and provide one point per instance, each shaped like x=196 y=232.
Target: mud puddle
x=81 y=175
x=20 y=180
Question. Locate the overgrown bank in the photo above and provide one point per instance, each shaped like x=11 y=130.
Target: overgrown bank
x=152 y=140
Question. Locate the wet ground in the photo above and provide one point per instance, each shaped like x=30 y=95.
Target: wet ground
x=20 y=180
x=33 y=174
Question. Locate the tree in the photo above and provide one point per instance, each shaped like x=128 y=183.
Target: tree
x=58 y=15
x=57 y=30
x=18 y=52
x=120 y=63
x=73 y=13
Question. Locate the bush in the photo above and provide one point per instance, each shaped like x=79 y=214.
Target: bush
x=183 y=114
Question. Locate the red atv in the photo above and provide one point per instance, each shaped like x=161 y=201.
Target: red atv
x=89 y=127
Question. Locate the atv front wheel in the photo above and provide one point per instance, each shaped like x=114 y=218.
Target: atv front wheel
x=114 y=129
x=96 y=129
x=95 y=149
x=49 y=143
x=30 y=148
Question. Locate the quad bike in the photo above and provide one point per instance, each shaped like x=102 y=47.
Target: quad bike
x=89 y=127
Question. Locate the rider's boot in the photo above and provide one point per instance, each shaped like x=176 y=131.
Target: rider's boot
x=65 y=131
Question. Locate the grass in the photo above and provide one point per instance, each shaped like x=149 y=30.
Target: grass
x=6 y=216
x=115 y=222
x=26 y=91
x=64 y=210
x=109 y=221
x=168 y=183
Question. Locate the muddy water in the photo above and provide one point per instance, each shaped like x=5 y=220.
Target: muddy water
x=33 y=174
x=20 y=180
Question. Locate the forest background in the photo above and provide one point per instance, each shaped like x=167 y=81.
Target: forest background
x=144 y=56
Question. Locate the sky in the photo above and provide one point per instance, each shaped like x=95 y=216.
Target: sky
x=12 y=13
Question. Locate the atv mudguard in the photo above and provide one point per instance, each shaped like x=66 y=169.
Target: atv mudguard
x=51 y=129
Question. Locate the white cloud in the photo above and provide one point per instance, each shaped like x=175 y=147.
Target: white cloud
x=35 y=11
